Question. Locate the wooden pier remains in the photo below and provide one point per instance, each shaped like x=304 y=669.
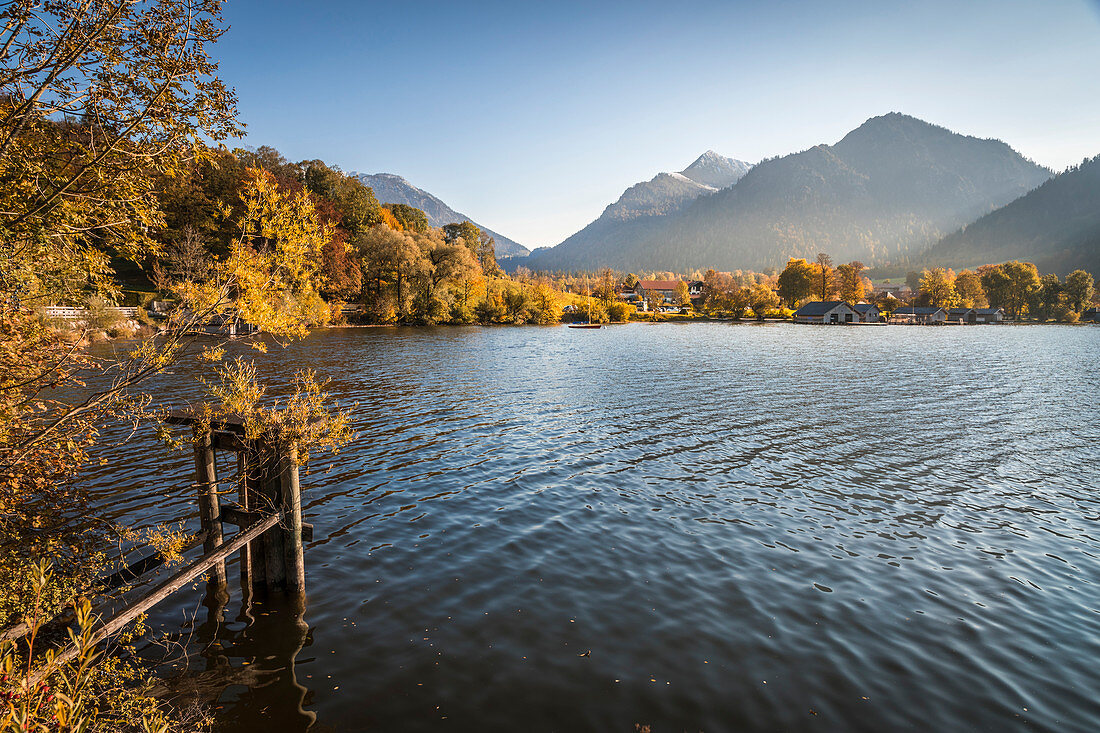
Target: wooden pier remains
x=268 y=515
x=267 y=484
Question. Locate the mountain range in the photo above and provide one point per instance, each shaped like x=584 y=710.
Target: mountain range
x=886 y=192
x=1056 y=226
x=393 y=189
x=642 y=208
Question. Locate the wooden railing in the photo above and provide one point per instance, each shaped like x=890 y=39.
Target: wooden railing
x=67 y=313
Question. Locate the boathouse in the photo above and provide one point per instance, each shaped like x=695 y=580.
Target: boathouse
x=923 y=315
x=961 y=315
x=829 y=311
x=868 y=312
x=989 y=315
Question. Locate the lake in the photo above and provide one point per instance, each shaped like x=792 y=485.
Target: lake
x=704 y=527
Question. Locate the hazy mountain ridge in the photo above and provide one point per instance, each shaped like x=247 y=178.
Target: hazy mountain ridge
x=390 y=188
x=663 y=194
x=1056 y=226
x=641 y=208
x=888 y=190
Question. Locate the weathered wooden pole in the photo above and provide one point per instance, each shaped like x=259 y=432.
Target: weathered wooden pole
x=209 y=507
x=245 y=560
x=290 y=495
x=257 y=568
x=271 y=483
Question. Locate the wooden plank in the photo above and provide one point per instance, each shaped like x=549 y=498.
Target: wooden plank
x=235 y=515
x=253 y=501
x=161 y=591
x=240 y=517
x=225 y=440
x=229 y=423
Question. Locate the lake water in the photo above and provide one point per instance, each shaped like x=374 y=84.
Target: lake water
x=703 y=527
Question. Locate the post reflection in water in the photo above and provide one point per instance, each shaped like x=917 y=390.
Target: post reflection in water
x=246 y=671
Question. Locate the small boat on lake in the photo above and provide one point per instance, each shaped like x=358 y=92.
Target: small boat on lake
x=588 y=323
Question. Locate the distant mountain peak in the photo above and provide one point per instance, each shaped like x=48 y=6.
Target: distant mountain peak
x=897 y=124
x=716 y=171
x=708 y=156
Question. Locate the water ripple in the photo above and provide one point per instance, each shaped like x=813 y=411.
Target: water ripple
x=706 y=527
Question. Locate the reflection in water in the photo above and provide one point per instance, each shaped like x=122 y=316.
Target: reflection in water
x=706 y=527
x=246 y=669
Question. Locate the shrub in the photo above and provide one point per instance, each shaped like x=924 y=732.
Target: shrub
x=102 y=314
x=621 y=312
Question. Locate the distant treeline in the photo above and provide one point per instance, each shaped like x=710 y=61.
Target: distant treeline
x=382 y=256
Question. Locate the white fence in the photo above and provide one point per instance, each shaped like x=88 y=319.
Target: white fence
x=66 y=313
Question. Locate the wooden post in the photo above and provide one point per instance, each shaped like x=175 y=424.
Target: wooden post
x=242 y=498
x=257 y=566
x=256 y=461
x=291 y=506
x=209 y=507
x=274 y=557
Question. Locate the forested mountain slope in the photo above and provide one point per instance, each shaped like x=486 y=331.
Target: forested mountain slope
x=1056 y=226
x=393 y=189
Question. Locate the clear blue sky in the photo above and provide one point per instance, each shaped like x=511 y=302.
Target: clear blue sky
x=531 y=117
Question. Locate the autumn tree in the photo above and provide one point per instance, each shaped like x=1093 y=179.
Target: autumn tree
x=655 y=299
x=683 y=296
x=340 y=269
x=442 y=260
x=269 y=277
x=465 y=288
x=544 y=307
x=479 y=243
x=390 y=261
x=606 y=288
x=620 y=312
x=718 y=288
x=1023 y=281
x=850 y=281
x=1046 y=298
x=825 y=276
x=738 y=301
x=762 y=299
x=490 y=309
x=995 y=284
x=1079 y=289
x=410 y=218
x=796 y=282
x=912 y=280
x=186 y=257
x=968 y=287
x=937 y=287
x=516 y=302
